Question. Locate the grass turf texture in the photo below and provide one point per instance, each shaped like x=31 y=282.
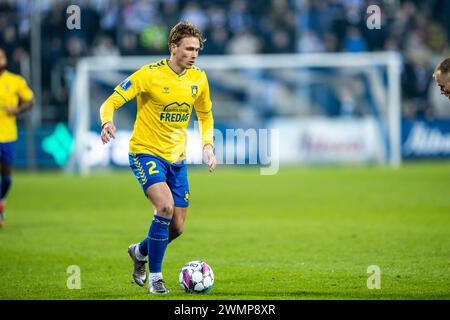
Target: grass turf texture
x=305 y=233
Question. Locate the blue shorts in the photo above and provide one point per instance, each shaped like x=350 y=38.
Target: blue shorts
x=7 y=152
x=150 y=169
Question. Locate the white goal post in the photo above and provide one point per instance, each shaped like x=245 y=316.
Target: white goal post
x=80 y=105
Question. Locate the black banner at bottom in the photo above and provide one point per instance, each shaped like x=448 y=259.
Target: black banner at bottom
x=214 y=309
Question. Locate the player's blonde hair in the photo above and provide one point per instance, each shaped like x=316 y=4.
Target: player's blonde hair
x=184 y=29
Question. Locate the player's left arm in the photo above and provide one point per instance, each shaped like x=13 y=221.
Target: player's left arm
x=25 y=97
x=203 y=109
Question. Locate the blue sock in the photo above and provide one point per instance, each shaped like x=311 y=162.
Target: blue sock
x=5 y=185
x=158 y=237
x=143 y=246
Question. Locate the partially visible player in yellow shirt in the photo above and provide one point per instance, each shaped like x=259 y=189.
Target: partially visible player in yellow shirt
x=15 y=98
x=167 y=94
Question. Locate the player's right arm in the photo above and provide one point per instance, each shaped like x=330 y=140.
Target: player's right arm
x=124 y=92
x=107 y=114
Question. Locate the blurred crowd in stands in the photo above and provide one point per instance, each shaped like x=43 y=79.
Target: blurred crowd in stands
x=420 y=30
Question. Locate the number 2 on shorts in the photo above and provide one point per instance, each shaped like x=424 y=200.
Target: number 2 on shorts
x=152 y=170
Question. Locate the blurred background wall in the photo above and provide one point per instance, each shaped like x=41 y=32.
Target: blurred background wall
x=45 y=51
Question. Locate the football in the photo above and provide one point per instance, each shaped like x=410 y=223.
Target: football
x=196 y=277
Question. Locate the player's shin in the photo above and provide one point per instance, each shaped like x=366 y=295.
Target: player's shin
x=157 y=243
x=5 y=185
x=173 y=234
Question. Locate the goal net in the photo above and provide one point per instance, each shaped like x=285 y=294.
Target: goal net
x=333 y=108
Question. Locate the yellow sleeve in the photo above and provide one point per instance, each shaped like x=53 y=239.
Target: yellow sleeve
x=134 y=85
x=127 y=90
x=114 y=101
x=203 y=109
x=23 y=90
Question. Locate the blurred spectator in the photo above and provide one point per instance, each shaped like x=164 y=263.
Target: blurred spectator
x=75 y=49
x=10 y=40
x=109 y=18
x=245 y=42
x=154 y=38
x=330 y=42
x=280 y=42
x=354 y=42
x=138 y=15
x=310 y=42
x=104 y=47
x=195 y=14
x=129 y=44
x=416 y=80
x=216 y=41
x=90 y=22
x=218 y=18
x=169 y=11
x=239 y=19
x=6 y=8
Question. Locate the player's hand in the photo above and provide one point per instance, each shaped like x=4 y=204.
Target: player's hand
x=108 y=132
x=11 y=111
x=209 y=157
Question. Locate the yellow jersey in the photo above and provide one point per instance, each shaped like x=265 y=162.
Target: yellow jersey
x=13 y=89
x=165 y=102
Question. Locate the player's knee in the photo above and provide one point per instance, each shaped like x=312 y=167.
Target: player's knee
x=6 y=170
x=165 y=210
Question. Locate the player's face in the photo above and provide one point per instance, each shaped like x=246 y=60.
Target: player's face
x=3 y=61
x=443 y=82
x=186 y=52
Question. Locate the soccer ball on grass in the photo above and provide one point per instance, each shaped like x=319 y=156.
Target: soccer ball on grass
x=196 y=277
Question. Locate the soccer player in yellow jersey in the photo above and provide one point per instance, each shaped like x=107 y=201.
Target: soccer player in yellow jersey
x=167 y=93
x=15 y=98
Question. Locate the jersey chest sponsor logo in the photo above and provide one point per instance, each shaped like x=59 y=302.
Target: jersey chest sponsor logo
x=173 y=117
x=175 y=112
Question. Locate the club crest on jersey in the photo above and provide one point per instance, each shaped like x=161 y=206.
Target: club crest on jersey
x=194 y=91
x=126 y=84
x=166 y=90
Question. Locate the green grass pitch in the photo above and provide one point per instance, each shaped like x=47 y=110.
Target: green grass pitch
x=305 y=233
